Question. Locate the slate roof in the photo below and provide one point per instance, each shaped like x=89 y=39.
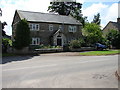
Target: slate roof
x=47 y=17
x=115 y=24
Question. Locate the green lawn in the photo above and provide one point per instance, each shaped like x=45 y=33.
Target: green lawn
x=92 y=53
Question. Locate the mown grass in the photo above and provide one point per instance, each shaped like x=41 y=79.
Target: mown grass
x=93 y=53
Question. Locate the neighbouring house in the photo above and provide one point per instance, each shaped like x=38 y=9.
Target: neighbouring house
x=49 y=29
x=112 y=25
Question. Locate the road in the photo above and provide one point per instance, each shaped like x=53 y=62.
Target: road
x=60 y=71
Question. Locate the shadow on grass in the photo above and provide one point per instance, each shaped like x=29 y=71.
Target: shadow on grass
x=9 y=59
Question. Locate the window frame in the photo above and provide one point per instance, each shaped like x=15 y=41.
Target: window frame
x=50 y=27
x=34 y=27
x=60 y=27
x=36 y=40
x=72 y=28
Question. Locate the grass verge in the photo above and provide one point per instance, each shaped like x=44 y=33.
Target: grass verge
x=94 y=53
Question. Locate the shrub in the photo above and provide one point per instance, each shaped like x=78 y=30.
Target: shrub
x=5 y=43
x=82 y=41
x=75 y=44
x=22 y=35
x=113 y=38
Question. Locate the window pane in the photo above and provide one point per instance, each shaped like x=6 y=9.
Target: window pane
x=51 y=27
x=34 y=42
x=37 y=26
x=37 y=40
x=30 y=26
x=33 y=26
x=60 y=27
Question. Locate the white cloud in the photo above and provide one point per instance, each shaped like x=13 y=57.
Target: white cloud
x=9 y=7
x=112 y=12
x=94 y=9
x=107 y=12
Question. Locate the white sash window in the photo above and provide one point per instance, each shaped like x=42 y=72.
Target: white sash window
x=50 y=27
x=35 y=41
x=72 y=28
x=34 y=27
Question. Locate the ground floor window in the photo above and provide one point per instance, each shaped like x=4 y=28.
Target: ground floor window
x=35 y=41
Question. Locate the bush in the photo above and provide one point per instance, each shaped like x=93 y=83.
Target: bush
x=82 y=41
x=22 y=35
x=113 y=38
x=75 y=44
x=5 y=43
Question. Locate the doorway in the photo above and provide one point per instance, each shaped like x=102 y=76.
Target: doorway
x=59 y=40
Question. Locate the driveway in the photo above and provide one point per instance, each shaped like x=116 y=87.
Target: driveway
x=61 y=70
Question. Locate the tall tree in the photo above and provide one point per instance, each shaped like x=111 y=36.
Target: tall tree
x=68 y=8
x=64 y=8
x=3 y=26
x=97 y=19
x=22 y=35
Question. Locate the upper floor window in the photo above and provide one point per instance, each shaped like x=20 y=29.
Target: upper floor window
x=72 y=28
x=34 y=27
x=60 y=27
x=50 y=27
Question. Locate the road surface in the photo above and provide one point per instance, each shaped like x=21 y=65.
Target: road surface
x=60 y=71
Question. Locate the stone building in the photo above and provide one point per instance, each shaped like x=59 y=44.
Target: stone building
x=112 y=25
x=49 y=29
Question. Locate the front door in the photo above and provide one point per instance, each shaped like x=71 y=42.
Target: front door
x=59 y=42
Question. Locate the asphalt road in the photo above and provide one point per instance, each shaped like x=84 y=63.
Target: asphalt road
x=60 y=71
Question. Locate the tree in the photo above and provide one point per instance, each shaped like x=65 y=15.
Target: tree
x=92 y=33
x=114 y=38
x=78 y=16
x=3 y=26
x=22 y=35
x=97 y=19
x=64 y=8
x=68 y=8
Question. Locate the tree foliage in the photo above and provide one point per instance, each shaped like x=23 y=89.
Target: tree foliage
x=68 y=8
x=3 y=26
x=64 y=8
x=97 y=19
x=114 y=38
x=22 y=35
x=92 y=33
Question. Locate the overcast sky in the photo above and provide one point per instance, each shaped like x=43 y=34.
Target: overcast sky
x=108 y=9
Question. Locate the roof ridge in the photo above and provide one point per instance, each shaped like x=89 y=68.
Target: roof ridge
x=112 y=21
x=43 y=13
x=35 y=16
